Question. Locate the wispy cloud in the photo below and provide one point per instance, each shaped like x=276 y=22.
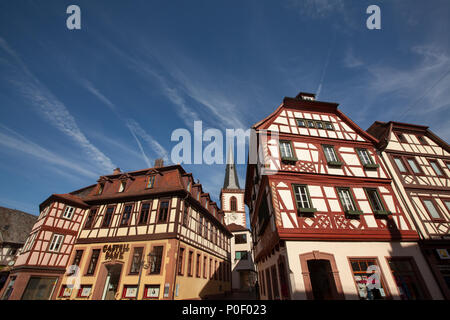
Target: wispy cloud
x=317 y=8
x=14 y=141
x=52 y=109
x=152 y=142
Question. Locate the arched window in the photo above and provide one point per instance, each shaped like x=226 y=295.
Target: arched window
x=233 y=204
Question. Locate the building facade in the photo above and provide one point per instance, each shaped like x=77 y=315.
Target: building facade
x=324 y=214
x=15 y=226
x=147 y=234
x=233 y=205
x=419 y=162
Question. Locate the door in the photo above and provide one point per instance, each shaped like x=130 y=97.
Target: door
x=322 y=280
x=112 y=282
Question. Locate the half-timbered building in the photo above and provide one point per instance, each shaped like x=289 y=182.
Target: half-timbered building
x=419 y=163
x=324 y=214
x=147 y=234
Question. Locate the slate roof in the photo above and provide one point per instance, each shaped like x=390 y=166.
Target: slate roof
x=15 y=225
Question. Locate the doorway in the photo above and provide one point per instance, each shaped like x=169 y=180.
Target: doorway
x=112 y=281
x=322 y=281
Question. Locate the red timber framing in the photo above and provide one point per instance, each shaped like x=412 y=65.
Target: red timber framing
x=325 y=218
x=424 y=190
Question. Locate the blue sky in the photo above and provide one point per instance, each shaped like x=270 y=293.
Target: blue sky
x=74 y=104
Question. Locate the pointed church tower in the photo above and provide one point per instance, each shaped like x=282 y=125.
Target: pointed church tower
x=232 y=196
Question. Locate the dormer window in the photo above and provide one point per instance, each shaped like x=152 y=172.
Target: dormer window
x=189 y=186
x=198 y=195
x=150 y=182
x=122 y=186
x=101 y=186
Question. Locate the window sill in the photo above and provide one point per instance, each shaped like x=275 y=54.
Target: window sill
x=354 y=212
x=382 y=212
x=371 y=166
x=307 y=210
x=289 y=159
x=335 y=163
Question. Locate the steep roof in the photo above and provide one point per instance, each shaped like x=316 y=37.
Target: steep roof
x=231 y=180
x=233 y=227
x=15 y=225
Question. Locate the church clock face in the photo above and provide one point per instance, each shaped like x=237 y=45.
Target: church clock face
x=233 y=217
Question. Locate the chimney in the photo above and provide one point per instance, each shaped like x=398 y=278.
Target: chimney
x=306 y=96
x=116 y=171
x=159 y=163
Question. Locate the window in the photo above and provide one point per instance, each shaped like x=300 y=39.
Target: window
x=150 y=182
x=180 y=261
x=205 y=229
x=331 y=156
x=30 y=241
x=319 y=124
x=84 y=291
x=366 y=159
x=400 y=164
x=302 y=199
x=448 y=165
x=90 y=218
x=413 y=165
x=190 y=257
x=101 y=186
x=77 y=258
x=136 y=262
x=200 y=226
x=108 y=216
x=215 y=270
x=205 y=273
x=422 y=140
x=233 y=203
x=311 y=124
x=210 y=268
x=145 y=209
x=56 y=242
x=436 y=167
x=122 y=186
x=157 y=253
x=347 y=201
x=361 y=275
x=68 y=212
x=286 y=151
x=375 y=201
x=189 y=186
x=447 y=204
x=241 y=255
x=65 y=292
x=151 y=291
x=429 y=205
x=197 y=267
x=93 y=262
x=240 y=238
x=126 y=214
x=186 y=216
x=163 y=211
x=401 y=138
x=408 y=280
x=39 y=288
x=301 y=123
x=329 y=126
x=44 y=212
x=129 y=292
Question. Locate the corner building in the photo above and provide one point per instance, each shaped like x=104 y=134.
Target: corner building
x=324 y=211
x=419 y=162
x=147 y=234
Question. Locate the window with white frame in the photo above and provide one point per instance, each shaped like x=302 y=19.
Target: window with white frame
x=330 y=153
x=122 y=186
x=68 y=212
x=346 y=199
x=56 y=242
x=286 y=150
x=365 y=157
x=302 y=196
x=29 y=243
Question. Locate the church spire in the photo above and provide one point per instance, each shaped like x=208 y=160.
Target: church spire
x=231 y=179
